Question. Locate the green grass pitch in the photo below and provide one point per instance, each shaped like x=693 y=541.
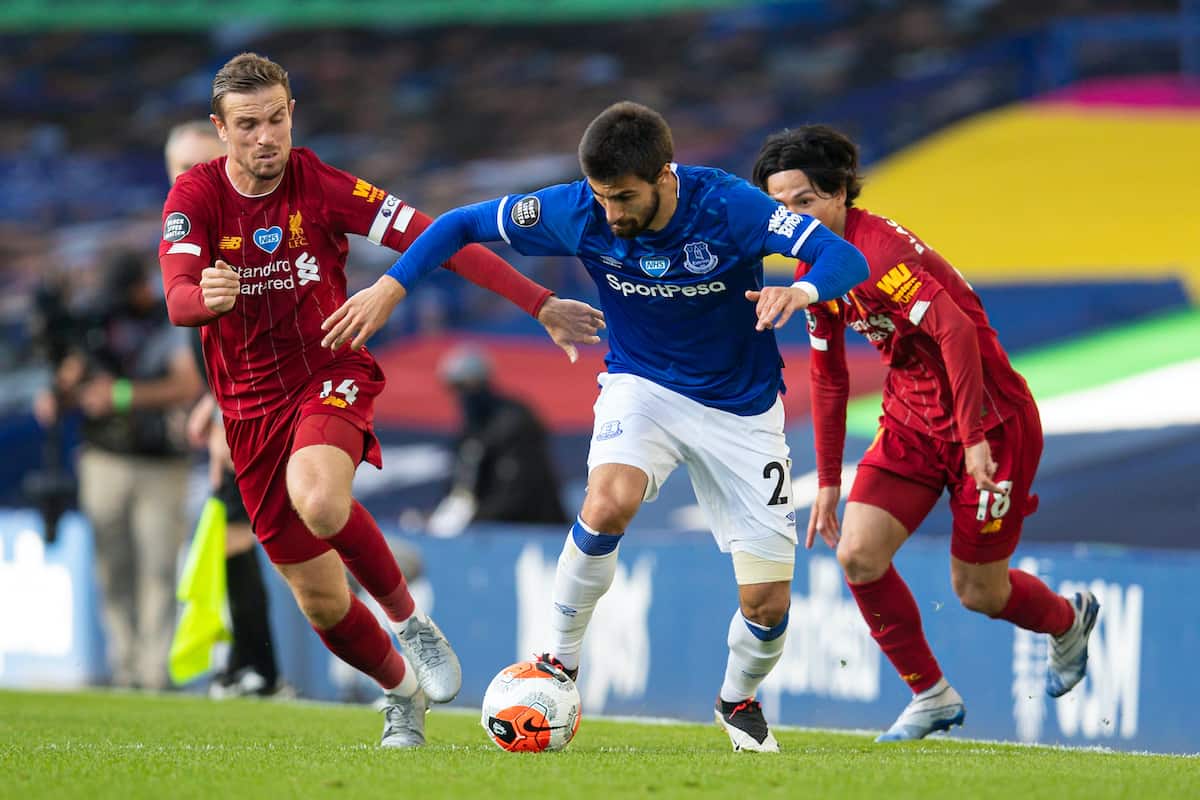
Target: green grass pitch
x=110 y=745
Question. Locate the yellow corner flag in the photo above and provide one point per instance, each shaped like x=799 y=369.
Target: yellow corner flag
x=202 y=590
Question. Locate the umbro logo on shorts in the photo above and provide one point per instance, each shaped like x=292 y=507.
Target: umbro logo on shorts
x=609 y=430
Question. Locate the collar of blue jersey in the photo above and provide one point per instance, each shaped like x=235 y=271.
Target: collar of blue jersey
x=665 y=236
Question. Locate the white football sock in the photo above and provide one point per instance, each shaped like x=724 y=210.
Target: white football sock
x=408 y=684
x=932 y=690
x=751 y=657
x=579 y=582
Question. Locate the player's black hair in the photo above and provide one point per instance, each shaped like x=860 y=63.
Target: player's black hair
x=247 y=72
x=626 y=139
x=827 y=156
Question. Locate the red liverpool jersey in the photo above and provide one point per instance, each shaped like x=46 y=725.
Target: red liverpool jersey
x=949 y=378
x=289 y=247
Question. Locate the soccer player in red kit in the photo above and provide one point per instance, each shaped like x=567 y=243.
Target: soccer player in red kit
x=254 y=250
x=956 y=415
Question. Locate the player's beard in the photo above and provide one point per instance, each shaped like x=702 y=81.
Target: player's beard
x=264 y=170
x=625 y=230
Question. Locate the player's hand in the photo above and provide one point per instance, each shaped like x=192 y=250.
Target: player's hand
x=981 y=467
x=200 y=420
x=363 y=314
x=823 y=518
x=776 y=304
x=219 y=285
x=218 y=447
x=570 y=322
x=95 y=397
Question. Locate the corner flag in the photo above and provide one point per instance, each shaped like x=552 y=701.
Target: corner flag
x=202 y=590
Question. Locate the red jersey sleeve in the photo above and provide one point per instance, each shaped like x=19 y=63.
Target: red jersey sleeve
x=902 y=282
x=184 y=252
x=356 y=206
x=830 y=388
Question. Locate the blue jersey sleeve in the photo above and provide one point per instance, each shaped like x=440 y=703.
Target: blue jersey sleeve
x=548 y=222
x=767 y=226
x=448 y=234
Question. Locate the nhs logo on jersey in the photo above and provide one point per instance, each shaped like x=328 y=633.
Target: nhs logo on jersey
x=655 y=266
x=268 y=239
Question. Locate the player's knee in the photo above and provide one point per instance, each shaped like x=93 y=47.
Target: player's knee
x=980 y=597
x=767 y=610
x=323 y=607
x=861 y=563
x=609 y=510
x=324 y=511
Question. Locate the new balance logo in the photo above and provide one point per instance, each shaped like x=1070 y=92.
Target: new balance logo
x=307 y=269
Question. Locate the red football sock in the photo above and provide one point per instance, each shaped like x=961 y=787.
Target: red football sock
x=1034 y=607
x=360 y=641
x=366 y=554
x=895 y=621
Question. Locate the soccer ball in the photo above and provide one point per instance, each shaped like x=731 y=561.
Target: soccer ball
x=529 y=707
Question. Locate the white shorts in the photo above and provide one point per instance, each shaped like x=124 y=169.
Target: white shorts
x=739 y=466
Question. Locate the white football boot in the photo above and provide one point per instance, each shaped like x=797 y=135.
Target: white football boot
x=938 y=708
x=435 y=662
x=1068 y=653
x=746 y=726
x=404 y=720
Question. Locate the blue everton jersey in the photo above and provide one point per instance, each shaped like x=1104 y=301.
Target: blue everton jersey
x=674 y=300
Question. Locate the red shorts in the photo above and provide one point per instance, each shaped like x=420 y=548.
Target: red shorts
x=261 y=447
x=904 y=473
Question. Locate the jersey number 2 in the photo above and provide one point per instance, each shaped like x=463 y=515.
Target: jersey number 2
x=774 y=468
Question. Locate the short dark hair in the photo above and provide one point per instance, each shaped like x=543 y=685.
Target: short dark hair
x=626 y=139
x=826 y=155
x=247 y=72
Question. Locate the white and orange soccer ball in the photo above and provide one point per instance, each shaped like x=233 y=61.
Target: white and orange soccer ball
x=531 y=706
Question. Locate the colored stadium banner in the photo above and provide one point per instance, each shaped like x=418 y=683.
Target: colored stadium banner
x=656 y=646
x=1087 y=384
x=1039 y=188
x=153 y=15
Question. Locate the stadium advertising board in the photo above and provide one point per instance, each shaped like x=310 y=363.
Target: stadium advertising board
x=656 y=646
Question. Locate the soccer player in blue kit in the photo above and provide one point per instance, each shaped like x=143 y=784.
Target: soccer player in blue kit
x=693 y=368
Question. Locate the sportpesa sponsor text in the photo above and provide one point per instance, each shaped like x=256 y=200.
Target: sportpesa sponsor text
x=667 y=290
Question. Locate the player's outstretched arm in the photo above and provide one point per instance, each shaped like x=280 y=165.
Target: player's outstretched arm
x=837 y=267
x=775 y=305
x=569 y=323
x=368 y=310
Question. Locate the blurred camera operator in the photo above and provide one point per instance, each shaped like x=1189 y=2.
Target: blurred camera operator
x=133 y=376
x=502 y=467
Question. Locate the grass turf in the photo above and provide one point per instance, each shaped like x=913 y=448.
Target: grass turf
x=111 y=745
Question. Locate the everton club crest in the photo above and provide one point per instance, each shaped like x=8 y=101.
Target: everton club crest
x=697 y=258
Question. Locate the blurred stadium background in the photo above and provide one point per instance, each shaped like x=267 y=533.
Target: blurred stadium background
x=1049 y=149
